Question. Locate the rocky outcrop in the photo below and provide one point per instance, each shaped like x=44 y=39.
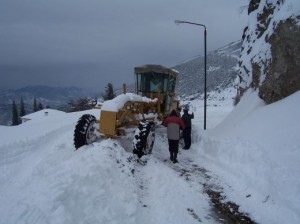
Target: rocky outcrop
x=270 y=56
x=283 y=76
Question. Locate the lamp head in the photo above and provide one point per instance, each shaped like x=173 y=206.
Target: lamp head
x=177 y=22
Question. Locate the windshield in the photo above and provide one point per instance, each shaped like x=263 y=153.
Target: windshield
x=148 y=82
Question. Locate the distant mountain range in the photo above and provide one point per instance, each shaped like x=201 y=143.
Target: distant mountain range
x=53 y=97
x=221 y=73
x=45 y=94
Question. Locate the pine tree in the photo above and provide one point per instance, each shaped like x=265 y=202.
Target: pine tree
x=22 y=108
x=109 y=92
x=35 y=108
x=40 y=106
x=15 y=116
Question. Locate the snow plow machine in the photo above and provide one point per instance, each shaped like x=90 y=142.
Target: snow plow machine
x=142 y=111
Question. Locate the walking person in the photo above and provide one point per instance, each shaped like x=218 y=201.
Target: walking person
x=187 y=119
x=173 y=124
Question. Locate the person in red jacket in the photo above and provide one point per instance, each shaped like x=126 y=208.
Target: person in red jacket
x=173 y=124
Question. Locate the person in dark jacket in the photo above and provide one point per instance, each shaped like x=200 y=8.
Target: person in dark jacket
x=178 y=111
x=173 y=124
x=186 y=135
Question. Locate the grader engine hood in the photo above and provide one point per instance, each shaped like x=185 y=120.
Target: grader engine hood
x=118 y=103
x=124 y=110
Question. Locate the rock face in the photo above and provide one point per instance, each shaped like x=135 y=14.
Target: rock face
x=270 y=56
x=283 y=77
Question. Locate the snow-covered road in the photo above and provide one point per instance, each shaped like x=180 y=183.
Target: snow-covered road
x=166 y=194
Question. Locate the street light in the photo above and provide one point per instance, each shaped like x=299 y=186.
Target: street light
x=177 y=22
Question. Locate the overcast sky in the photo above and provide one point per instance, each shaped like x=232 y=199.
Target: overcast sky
x=88 y=43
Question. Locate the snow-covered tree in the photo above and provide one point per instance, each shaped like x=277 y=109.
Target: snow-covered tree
x=15 y=116
x=40 y=106
x=22 y=108
x=109 y=92
x=35 y=108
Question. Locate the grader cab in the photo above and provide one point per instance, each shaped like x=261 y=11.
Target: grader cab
x=156 y=81
x=153 y=100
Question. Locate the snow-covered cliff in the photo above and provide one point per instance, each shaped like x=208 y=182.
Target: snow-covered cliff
x=270 y=58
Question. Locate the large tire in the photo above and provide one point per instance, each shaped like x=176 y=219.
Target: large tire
x=85 y=131
x=144 y=138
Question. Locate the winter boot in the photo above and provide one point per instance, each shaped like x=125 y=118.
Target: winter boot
x=171 y=156
x=175 y=158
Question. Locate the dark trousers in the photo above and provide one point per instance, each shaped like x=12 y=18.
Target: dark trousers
x=173 y=148
x=186 y=134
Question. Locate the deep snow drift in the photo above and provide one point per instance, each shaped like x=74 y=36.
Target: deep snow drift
x=257 y=149
x=254 y=152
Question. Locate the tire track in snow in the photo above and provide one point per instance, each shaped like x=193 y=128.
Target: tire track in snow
x=201 y=181
x=164 y=185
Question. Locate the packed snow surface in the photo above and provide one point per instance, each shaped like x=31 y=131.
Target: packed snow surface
x=253 y=150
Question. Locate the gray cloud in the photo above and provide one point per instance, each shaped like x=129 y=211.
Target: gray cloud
x=91 y=42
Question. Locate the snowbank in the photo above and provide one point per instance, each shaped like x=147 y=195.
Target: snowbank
x=44 y=180
x=41 y=126
x=257 y=150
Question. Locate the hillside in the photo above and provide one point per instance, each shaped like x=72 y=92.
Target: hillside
x=221 y=71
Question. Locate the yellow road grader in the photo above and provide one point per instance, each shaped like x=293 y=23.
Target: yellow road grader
x=153 y=100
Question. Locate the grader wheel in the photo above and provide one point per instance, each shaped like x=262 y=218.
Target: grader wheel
x=144 y=138
x=85 y=131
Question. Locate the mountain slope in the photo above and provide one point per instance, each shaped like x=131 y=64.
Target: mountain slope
x=221 y=71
